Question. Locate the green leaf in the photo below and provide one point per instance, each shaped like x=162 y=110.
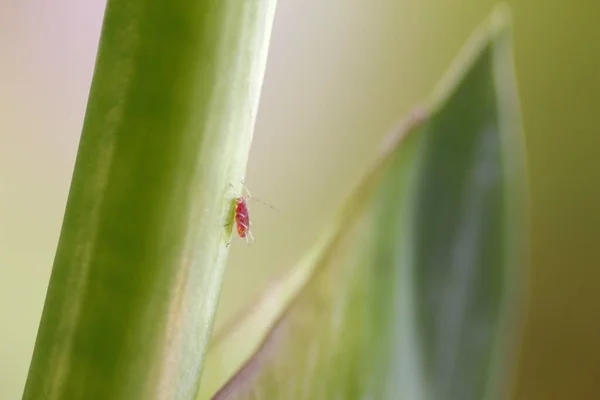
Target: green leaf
x=134 y=286
x=415 y=291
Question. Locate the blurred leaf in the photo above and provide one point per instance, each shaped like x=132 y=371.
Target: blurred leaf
x=415 y=291
x=139 y=265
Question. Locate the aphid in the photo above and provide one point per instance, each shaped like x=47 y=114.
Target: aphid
x=242 y=216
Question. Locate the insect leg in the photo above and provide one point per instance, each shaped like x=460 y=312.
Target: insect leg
x=246 y=227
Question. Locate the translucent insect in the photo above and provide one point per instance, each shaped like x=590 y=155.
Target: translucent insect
x=242 y=216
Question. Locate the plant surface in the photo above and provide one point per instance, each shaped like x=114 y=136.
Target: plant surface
x=134 y=286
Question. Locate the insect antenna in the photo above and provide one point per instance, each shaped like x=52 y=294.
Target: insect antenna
x=249 y=196
x=264 y=203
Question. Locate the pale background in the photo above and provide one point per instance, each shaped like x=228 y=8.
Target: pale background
x=340 y=73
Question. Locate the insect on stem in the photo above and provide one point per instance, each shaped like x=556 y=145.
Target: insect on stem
x=242 y=216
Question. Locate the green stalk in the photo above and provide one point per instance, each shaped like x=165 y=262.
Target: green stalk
x=139 y=264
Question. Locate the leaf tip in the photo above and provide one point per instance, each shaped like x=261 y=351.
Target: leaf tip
x=501 y=18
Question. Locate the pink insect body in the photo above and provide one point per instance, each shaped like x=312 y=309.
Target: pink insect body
x=242 y=218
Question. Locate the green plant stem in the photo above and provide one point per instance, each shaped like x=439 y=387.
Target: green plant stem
x=139 y=264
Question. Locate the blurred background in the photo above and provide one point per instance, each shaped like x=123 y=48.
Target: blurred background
x=340 y=74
